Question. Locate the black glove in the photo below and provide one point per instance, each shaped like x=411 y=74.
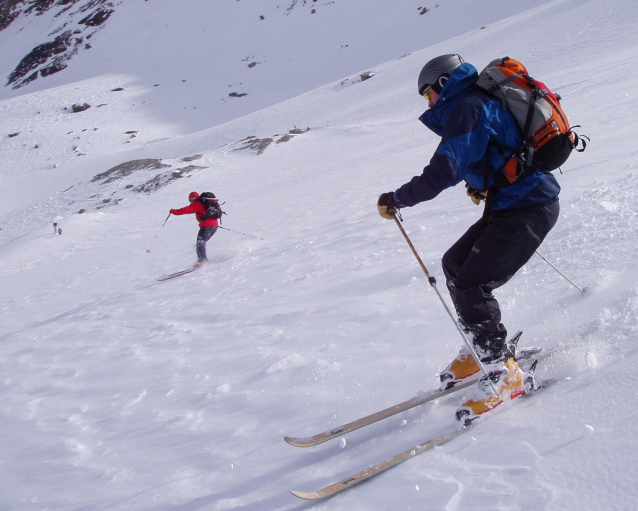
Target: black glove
x=386 y=205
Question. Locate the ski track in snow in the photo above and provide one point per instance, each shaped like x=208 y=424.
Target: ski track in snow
x=119 y=392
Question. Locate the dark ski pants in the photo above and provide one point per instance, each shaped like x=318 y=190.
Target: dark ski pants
x=204 y=234
x=486 y=257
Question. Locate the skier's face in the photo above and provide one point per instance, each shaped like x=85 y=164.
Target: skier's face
x=431 y=95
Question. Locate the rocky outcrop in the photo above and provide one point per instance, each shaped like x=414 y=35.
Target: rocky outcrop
x=8 y=12
x=82 y=18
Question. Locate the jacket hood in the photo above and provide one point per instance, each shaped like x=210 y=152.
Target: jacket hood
x=458 y=85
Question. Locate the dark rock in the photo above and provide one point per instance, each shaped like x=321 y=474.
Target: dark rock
x=41 y=54
x=285 y=138
x=192 y=158
x=126 y=169
x=96 y=18
x=80 y=108
x=161 y=180
x=51 y=57
x=8 y=13
x=257 y=145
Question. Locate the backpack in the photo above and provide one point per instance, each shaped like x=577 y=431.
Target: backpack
x=548 y=139
x=211 y=203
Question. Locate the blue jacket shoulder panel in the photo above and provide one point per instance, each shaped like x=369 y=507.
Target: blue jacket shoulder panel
x=456 y=88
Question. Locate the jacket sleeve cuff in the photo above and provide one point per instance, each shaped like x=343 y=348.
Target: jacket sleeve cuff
x=397 y=200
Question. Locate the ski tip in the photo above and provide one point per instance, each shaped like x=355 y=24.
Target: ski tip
x=306 y=495
x=298 y=442
x=169 y=276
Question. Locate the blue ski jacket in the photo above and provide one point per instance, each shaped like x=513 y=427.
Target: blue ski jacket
x=467 y=119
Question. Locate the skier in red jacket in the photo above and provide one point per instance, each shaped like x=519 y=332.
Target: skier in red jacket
x=207 y=225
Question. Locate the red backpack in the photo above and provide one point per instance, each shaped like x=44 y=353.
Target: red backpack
x=548 y=137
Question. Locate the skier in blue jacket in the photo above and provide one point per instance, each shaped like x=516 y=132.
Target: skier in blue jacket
x=515 y=221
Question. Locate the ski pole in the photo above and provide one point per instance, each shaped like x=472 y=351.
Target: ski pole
x=432 y=282
x=561 y=273
x=149 y=247
x=237 y=232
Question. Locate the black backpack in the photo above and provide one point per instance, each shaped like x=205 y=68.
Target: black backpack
x=211 y=204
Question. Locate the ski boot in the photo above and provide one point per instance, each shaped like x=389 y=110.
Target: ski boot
x=503 y=382
x=461 y=368
x=464 y=365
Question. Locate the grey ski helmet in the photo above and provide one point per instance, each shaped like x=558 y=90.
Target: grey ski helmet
x=436 y=72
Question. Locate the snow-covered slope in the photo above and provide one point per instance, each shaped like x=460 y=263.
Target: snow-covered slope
x=186 y=58
x=154 y=70
x=119 y=392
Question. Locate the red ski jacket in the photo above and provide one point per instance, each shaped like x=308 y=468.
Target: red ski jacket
x=198 y=208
